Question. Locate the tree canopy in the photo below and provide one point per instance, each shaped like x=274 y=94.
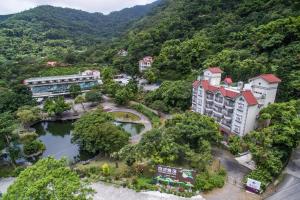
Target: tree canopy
x=48 y=179
x=96 y=133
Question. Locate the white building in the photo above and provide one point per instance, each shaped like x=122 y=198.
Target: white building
x=42 y=87
x=122 y=79
x=235 y=108
x=123 y=53
x=145 y=63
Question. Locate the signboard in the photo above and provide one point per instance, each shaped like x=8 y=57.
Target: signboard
x=253 y=185
x=179 y=174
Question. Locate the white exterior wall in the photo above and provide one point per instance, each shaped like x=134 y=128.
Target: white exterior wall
x=262 y=87
x=144 y=66
x=213 y=78
x=251 y=119
x=239 y=117
x=201 y=100
x=194 y=99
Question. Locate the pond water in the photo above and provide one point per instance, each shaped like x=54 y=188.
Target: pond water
x=57 y=138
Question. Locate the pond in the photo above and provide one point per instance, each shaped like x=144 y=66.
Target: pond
x=57 y=138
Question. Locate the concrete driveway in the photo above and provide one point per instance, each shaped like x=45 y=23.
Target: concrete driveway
x=289 y=188
x=233 y=188
x=109 y=192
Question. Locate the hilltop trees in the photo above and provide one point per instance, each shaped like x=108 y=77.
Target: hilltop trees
x=48 y=179
x=171 y=96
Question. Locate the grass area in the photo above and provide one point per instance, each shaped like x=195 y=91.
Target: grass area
x=153 y=117
x=126 y=116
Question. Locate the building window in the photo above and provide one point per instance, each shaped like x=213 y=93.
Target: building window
x=238 y=118
x=240 y=107
x=237 y=129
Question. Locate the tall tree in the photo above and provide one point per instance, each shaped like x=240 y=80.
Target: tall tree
x=7 y=137
x=96 y=133
x=48 y=179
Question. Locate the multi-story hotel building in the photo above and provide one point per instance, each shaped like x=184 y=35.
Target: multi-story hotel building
x=234 y=106
x=59 y=85
x=145 y=63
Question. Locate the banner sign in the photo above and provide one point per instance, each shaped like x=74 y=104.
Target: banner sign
x=179 y=174
x=253 y=185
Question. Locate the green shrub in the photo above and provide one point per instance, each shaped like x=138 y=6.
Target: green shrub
x=33 y=147
x=262 y=175
x=153 y=117
x=235 y=145
x=210 y=180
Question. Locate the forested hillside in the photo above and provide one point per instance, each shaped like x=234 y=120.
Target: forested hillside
x=48 y=31
x=244 y=38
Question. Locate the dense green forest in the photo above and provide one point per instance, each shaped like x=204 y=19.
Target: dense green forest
x=244 y=38
x=48 y=31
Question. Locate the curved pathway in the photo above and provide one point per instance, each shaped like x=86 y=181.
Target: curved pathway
x=109 y=106
x=143 y=120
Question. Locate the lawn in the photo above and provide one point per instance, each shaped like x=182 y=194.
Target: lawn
x=126 y=116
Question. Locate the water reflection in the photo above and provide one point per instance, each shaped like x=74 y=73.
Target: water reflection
x=57 y=138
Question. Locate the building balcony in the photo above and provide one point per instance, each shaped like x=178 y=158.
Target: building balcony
x=209 y=108
x=210 y=97
x=209 y=100
x=219 y=103
x=228 y=117
x=229 y=106
x=217 y=113
x=226 y=126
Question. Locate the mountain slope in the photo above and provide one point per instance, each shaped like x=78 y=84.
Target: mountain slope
x=244 y=38
x=40 y=30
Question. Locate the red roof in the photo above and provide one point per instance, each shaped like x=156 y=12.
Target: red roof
x=215 y=70
x=249 y=97
x=228 y=93
x=206 y=86
x=228 y=81
x=270 y=78
x=196 y=84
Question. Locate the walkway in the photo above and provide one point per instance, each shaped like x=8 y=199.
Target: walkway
x=108 y=105
x=143 y=120
x=109 y=192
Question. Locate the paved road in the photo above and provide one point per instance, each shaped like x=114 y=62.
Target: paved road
x=108 y=192
x=233 y=188
x=5 y=183
x=289 y=188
